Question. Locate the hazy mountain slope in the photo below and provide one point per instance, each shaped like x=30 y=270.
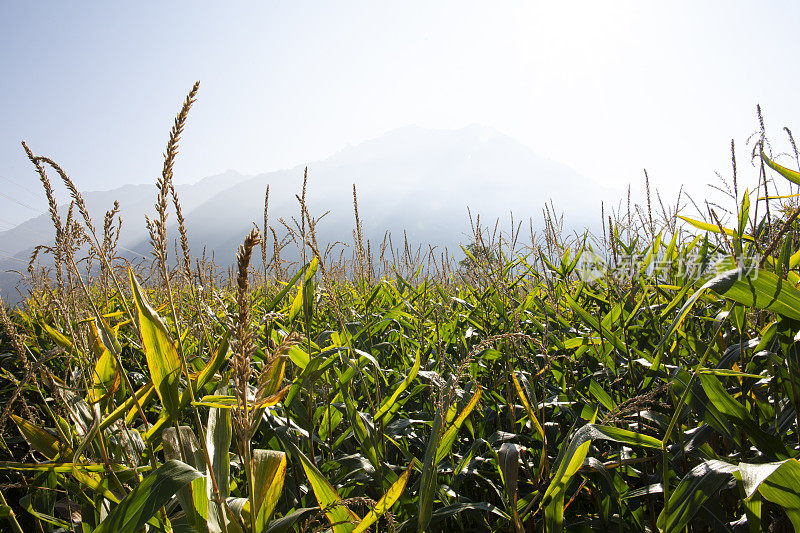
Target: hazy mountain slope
x=412 y=179
x=135 y=201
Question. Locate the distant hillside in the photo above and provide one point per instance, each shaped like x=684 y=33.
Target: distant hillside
x=135 y=201
x=409 y=179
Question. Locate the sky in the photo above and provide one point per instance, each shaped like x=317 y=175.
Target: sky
x=608 y=88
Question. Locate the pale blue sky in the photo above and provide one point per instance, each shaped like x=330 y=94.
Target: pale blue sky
x=607 y=88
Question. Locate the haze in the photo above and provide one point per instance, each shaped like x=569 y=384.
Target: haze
x=607 y=89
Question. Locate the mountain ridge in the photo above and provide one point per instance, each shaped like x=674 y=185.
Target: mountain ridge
x=411 y=180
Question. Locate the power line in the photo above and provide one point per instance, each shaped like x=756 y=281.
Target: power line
x=48 y=237
x=23 y=204
x=40 y=211
x=14 y=258
x=12 y=182
x=29 y=230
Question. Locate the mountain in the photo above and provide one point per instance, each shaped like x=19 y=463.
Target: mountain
x=17 y=244
x=411 y=179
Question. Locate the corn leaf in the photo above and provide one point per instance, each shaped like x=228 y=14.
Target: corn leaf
x=449 y=436
x=143 y=502
x=269 y=472
x=741 y=418
x=789 y=174
x=574 y=456
x=761 y=289
x=534 y=422
x=696 y=487
x=160 y=352
x=192 y=497
x=58 y=337
x=341 y=517
x=106 y=378
x=389 y=403
x=713 y=228
x=218 y=442
x=385 y=503
x=39 y=439
x=428 y=483
x=777 y=482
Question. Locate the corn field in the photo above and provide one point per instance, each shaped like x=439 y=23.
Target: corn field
x=645 y=379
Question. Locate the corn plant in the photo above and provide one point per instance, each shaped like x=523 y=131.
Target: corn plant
x=645 y=379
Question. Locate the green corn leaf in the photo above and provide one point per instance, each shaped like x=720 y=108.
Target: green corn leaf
x=221 y=354
x=508 y=457
x=58 y=337
x=286 y=523
x=618 y=343
x=766 y=291
x=218 y=442
x=106 y=378
x=283 y=292
x=534 y=422
x=308 y=287
x=744 y=213
x=727 y=372
x=296 y=354
x=274 y=376
x=226 y=401
x=143 y=502
x=762 y=290
x=217 y=358
x=700 y=484
x=389 y=403
x=365 y=434
x=305 y=292
x=26 y=502
x=777 y=482
x=477 y=508
x=528 y=409
x=128 y=404
x=601 y=396
x=341 y=517
x=740 y=417
x=160 y=352
x=331 y=418
x=311 y=270
x=46 y=444
x=575 y=454
x=752 y=509
x=554 y=513
x=428 y=483
x=753 y=475
x=63 y=468
x=297 y=304
x=91 y=431
x=39 y=439
x=192 y=497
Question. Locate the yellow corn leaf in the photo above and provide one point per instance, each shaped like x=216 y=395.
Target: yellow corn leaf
x=699 y=224
x=160 y=352
x=106 y=378
x=385 y=503
x=449 y=436
x=269 y=472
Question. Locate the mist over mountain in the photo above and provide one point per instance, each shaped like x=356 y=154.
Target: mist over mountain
x=411 y=179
